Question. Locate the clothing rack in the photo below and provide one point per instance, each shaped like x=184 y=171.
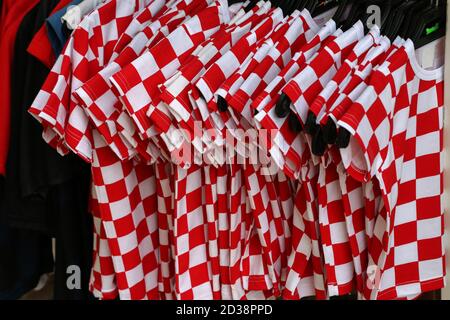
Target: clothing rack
x=446 y=291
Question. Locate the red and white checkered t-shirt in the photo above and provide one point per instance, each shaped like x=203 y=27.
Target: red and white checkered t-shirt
x=303 y=88
x=266 y=118
x=358 y=82
x=359 y=214
x=231 y=61
x=102 y=282
x=229 y=121
x=344 y=72
x=175 y=90
x=306 y=250
x=249 y=265
x=141 y=20
x=353 y=201
x=87 y=52
x=164 y=178
x=213 y=120
x=192 y=270
x=335 y=242
x=338 y=260
x=268 y=221
x=310 y=81
x=300 y=32
x=232 y=84
x=137 y=83
x=341 y=219
x=397 y=138
x=116 y=189
x=97 y=96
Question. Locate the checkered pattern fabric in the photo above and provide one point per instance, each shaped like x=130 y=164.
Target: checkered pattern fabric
x=337 y=250
x=281 y=135
x=303 y=88
x=367 y=218
x=305 y=264
x=333 y=230
x=358 y=82
x=292 y=68
x=128 y=204
x=192 y=271
x=141 y=20
x=397 y=124
x=165 y=201
x=267 y=220
x=54 y=106
x=253 y=59
x=307 y=84
x=228 y=64
x=232 y=60
x=301 y=31
x=97 y=96
x=175 y=92
x=137 y=83
x=343 y=74
x=102 y=280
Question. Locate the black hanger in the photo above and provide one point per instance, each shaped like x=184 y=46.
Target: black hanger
x=339 y=14
x=343 y=138
x=282 y=108
x=294 y=123
x=322 y=6
x=357 y=10
x=318 y=145
x=329 y=131
x=251 y=5
x=290 y=6
x=431 y=26
x=411 y=15
x=407 y=11
x=395 y=16
x=231 y=2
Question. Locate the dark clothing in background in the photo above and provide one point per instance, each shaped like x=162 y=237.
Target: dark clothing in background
x=44 y=194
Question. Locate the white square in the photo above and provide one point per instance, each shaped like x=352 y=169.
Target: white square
x=197 y=256
x=134 y=276
x=344 y=273
x=428 y=187
x=195 y=218
x=406 y=253
x=408 y=171
x=387 y=278
x=127 y=243
x=431 y=269
x=182 y=43
x=406 y=213
x=427 y=100
x=183 y=244
x=428 y=144
x=429 y=228
x=138 y=97
x=338 y=232
x=120 y=208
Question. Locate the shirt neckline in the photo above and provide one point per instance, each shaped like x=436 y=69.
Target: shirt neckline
x=424 y=74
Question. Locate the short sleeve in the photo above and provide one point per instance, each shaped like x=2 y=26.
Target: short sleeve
x=369 y=121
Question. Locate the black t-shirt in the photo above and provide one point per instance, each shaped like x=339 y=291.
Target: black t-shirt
x=44 y=192
x=24 y=254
